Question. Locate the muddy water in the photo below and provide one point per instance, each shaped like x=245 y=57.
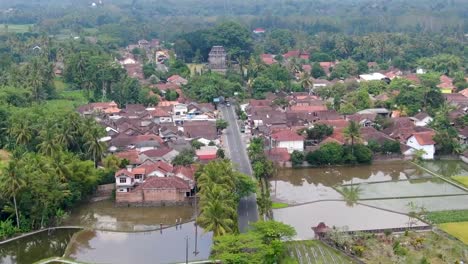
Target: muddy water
x=447 y=168
x=30 y=249
x=312 y=184
x=105 y=216
x=336 y=213
x=148 y=247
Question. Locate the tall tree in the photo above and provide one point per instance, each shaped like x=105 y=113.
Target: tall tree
x=12 y=183
x=352 y=133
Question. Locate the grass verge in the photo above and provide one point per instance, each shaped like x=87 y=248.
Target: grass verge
x=279 y=205
x=313 y=251
x=461 y=179
x=458 y=230
x=451 y=216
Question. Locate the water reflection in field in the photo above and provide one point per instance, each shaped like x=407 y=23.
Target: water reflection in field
x=312 y=184
x=105 y=216
x=169 y=246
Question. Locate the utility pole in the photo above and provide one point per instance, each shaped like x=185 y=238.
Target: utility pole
x=196 y=225
x=186 y=249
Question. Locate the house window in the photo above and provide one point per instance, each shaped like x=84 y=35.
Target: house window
x=121 y=190
x=123 y=180
x=138 y=177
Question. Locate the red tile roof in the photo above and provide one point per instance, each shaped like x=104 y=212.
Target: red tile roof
x=187 y=171
x=424 y=138
x=278 y=154
x=164 y=183
x=125 y=172
x=287 y=135
x=464 y=92
x=308 y=108
x=268 y=59
x=156 y=166
x=156 y=153
x=130 y=155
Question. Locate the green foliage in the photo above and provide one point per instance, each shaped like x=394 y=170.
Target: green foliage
x=210 y=85
x=391 y=146
x=262 y=244
x=221 y=124
x=351 y=194
x=184 y=158
x=221 y=188
x=319 y=132
x=196 y=144
x=443 y=63
x=279 y=41
x=317 y=71
x=439 y=217
x=399 y=249
x=297 y=157
x=171 y=95
x=328 y=154
x=7 y=229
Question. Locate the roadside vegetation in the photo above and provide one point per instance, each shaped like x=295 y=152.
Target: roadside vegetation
x=410 y=247
x=265 y=243
x=439 y=217
x=220 y=189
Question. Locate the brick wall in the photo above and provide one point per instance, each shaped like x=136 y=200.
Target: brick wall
x=172 y=195
x=151 y=197
x=129 y=197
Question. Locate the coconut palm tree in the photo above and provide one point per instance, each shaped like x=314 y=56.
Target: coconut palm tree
x=21 y=131
x=49 y=145
x=94 y=147
x=351 y=194
x=216 y=216
x=352 y=133
x=12 y=184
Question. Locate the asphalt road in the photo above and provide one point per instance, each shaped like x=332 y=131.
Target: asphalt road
x=247 y=211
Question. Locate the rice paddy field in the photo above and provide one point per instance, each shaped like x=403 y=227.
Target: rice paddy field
x=314 y=252
x=458 y=230
x=15 y=28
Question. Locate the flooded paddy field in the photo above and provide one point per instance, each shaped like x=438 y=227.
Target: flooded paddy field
x=104 y=215
x=385 y=192
x=168 y=246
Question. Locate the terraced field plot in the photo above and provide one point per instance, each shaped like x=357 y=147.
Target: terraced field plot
x=408 y=188
x=314 y=252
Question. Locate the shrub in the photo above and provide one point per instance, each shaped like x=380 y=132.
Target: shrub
x=363 y=154
x=399 y=250
x=297 y=158
x=7 y=229
x=358 y=250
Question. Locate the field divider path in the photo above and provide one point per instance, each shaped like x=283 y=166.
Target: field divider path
x=446 y=179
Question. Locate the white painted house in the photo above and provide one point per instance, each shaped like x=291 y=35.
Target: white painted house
x=125 y=179
x=287 y=139
x=422 y=119
x=424 y=141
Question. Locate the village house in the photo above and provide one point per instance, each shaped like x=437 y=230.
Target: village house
x=259 y=31
x=423 y=141
x=446 y=85
x=376 y=76
x=327 y=66
x=364 y=120
x=177 y=79
x=268 y=59
x=160 y=154
x=154 y=183
x=287 y=139
x=296 y=54
x=206 y=153
x=110 y=108
x=422 y=119
x=156 y=191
